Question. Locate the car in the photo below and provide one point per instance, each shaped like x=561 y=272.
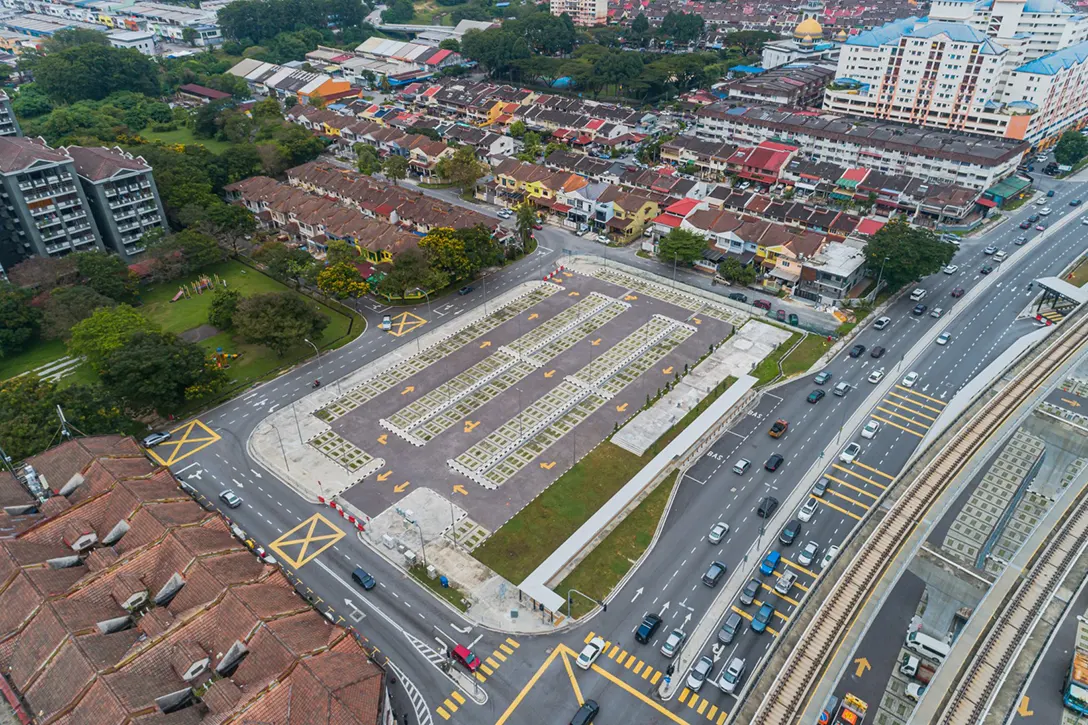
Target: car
x=870 y=430
x=230 y=498
x=820 y=487
x=762 y=304
x=936 y=312
x=986 y=269
x=762 y=618
x=1075 y=202
x=1084 y=221
x=919 y=310
x=778 y=428
x=780 y=315
x=943 y=338
x=914 y=691
x=850 y=452
x=881 y=323
x=958 y=292
x=774 y=462
x=603 y=238
x=910 y=379
x=264 y=555
x=649 y=625
x=363 y=578
x=153 y=439
x=1025 y=224
x=1046 y=211
x=1033 y=218
x=714 y=573
x=876 y=376
x=951 y=269
x=807 y=510
x=1021 y=240
x=794 y=320
x=717 y=532
x=790 y=532
x=857 y=351
x=590 y=653
x=750 y=591
x=505 y=214
x=538 y=226
x=770 y=563
x=767 y=507
x=738 y=296
x=731 y=677
x=465 y=290
x=387 y=323
x=744 y=184
x=589 y=710
x=989 y=250
x=699 y=673
x=471 y=662
x=741 y=466
x=808 y=553
x=821 y=377
x=1040 y=227
x=673 y=642
x=829 y=557
x=1001 y=256
x=816 y=396
x=877 y=352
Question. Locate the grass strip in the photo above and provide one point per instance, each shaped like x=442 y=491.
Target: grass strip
x=767 y=370
x=451 y=594
x=805 y=355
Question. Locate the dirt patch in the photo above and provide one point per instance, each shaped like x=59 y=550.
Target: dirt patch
x=199 y=333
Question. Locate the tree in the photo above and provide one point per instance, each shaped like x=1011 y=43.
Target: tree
x=19 y=322
x=446 y=251
x=400 y=12
x=284 y=262
x=480 y=246
x=107 y=329
x=183 y=253
x=733 y=270
x=367 y=159
x=44 y=273
x=497 y=50
x=278 y=320
x=640 y=30
x=342 y=280
x=231 y=224
x=525 y=220
x=450 y=44
x=410 y=270
x=68 y=306
x=517 y=129
x=395 y=168
x=92 y=70
x=462 y=168
x=1071 y=148
x=682 y=27
x=906 y=253
x=159 y=371
x=106 y=274
x=681 y=245
x=224 y=304
x=341 y=252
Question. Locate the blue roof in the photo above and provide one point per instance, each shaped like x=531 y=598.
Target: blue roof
x=957 y=32
x=884 y=34
x=1047 y=6
x=747 y=69
x=1049 y=65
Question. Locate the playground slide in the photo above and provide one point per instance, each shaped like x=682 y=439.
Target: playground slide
x=179 y=295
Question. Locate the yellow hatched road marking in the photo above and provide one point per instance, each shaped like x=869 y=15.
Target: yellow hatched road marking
x=512 y=642
x=844 y=497
x=458 y=696
x=798 y=567
x=612 y=654
x=702 y=706
x=656 y=677
x=721 y=718
x=910 y=410
x=938 y=401
x=480 y=677
x=875 y=470
x=449 y=705
x=713 y=711
x=506 y=649
x=840 y=509
x=693 y=700
x=500 y=655
x=647 y=672
x=857 y=475
x=783 y=598
x=912 y=421
x=573 y=681
x=630 y=661
x=487 y=670
x=639 y=666
x=742 y=613
x=911 y=400
x=445 y=715
x=531 y=684
x=635 y=693
x=851 y=486
x=493 y=663
x=684 y=695
x=900 y=427
x=622 y=656
x=589 y=636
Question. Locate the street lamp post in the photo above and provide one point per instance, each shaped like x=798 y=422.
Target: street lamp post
x=880 y=277
x=429 y=316
x=317 y=354
x=282 y=451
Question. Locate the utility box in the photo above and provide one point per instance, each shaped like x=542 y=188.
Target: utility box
x=409 y=557
x=388 y=541
x=431 y=571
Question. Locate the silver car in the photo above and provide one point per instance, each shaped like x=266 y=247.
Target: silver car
x=808 y=553
x=699 y=673
x=672 y=644
x=717 y=533
x=154 y=439
x=732 y=676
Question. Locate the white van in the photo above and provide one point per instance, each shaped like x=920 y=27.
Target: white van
x=917 y=294
x=928 y=647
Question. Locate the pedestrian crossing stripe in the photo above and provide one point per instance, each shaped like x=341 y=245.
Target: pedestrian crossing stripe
x=445 y=715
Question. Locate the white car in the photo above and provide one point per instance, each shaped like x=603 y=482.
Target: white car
x=951 y=269
x=732 y=675
x=850 y=452
x=717 y=533
x=591 y=652
x=915 y=691
x=943 y=338
x=870 y=430
x=876 y=376
x=1000 y=256
x=264 y=555
x=699 y=673
x=808 y=553
x=829 y=557
x=910 y=379
x=808 y=510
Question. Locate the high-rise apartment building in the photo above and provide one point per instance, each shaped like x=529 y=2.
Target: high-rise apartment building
x=582 y=12
x=8 y=125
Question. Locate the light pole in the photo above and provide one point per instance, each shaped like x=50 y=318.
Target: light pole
x=317 y=354
x=879 y=278
x=282 y=451
x=419 y=345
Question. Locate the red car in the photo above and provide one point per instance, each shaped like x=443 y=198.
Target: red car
x=958 y=292
x=1025 y=225
x=464 y=655
x=763 y=304
x=537 y=227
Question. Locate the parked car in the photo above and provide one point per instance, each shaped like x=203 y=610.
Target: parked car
x=738 y=296
x=820 y=487
x=850 y=452
x=794 y=320
x=603 y=238
x=790 y=532
x=808 y=553
x=770 y=563
x=780 y=315
x=589 y=710
x=762 y=304
x=808 y=509
x=762 y=618
x=751 y=589
x=153 y=439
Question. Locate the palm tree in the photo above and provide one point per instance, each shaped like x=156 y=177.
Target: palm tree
x=525 y=220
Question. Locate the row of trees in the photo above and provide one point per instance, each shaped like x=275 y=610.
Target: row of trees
x=256 y=21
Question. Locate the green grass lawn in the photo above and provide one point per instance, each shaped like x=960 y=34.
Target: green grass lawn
x=767 y=370
x=1080 y=274
x=185 y=136
x=35 y=356
x=805 y=355
x=451 y=594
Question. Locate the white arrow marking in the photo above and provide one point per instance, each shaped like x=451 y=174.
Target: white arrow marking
x=464 y=630
x=687 y=618
x=638 y=593
x=236 y=483
x=663 y=608
x=254 y=473
x=717 y=651
x=183 y=470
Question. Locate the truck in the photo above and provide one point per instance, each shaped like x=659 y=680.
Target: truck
x=785 y=582
x=851 y=711
x=778 y=428
x=914 y=667
x=1075 y=690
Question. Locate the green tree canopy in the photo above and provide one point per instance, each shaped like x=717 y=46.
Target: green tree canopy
x=342 y=280
x=105 y=330
x=106 y=274
x=367 y=159
x=732 y=270
x=1071 y=148
x=462 y=168
x=19 y=322
x=681 y=245
x=279 y=320
x=906 y=253
x=159 y=371
x=92 y=70
x=395 y=168
x=411 y=269
x=221 y=311
x=68 y=306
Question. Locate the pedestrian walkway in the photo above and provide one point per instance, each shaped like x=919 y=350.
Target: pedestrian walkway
x=684 y=300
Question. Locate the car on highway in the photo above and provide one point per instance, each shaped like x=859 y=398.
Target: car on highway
x=790 y=532
x=829 y=557
x=822 y=377
x=230 y=498
x=153 y=439
x=957 y=292
x=363 y=578
x=1001 y=256
x=986 y=269
x=951 y=269
x=1021 y=240
x=767 y=507
x=590 y=653
x=989 y=250
x=850 y=452
x=699 y=673
x=1025 y=224
x=589 y=710
x=732 y=676
x=910 y=379
x=877 y=352
x=465 y=656
x=770 y=563
x=1040 y=227
x=808 y=553
x=741 y=466
x=870 y=430
x=386 y=323
x=1033 y=218
x=717 y=532
x=774 y=462
x=876 y=376
x=808 y=509
x=714 y=574
x=673 y=642
x=751 y=589
x=762 y=618
x=1075 y=202
x=778 y=428
x=468 y=289
x=738 y=296
x=1046 y=211
x=943 y=338
x=881 y=323
x=816 y=396
x=936 y=312
x=857 y=351
x=820 y=487
x=649 y=625
x=919 y=310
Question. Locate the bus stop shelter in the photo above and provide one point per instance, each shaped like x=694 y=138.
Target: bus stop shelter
x=1059 y=297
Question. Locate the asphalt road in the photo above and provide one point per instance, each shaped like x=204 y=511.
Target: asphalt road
x=404 y=622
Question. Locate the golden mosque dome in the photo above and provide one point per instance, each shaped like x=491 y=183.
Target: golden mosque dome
x=808 y=28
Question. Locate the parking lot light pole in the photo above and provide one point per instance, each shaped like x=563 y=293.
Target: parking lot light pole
x=317 y=354
x=419 y=345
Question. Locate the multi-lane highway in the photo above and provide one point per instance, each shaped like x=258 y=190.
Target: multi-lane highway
x=531 y=672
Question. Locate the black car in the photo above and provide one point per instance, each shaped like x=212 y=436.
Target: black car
x=1075 y=202
x=767 y=507
x=857 y=351
x=738 y=297
x=790 y=532
x=714 y=574
x=363 y=578
x=774 y=462
x=646 y=630
x=1033 y=218
x=586 y=713
x=919 y=310
x=986 y=269
x=465 y=290
x=816 y=396
x=877 y=351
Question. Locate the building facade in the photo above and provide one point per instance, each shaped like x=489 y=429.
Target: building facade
x=582 y=12
x=9 y=126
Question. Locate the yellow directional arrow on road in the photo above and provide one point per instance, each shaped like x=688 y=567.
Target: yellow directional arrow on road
x=596 y=342
x=533 y=316
x=485 y=343
x=1023 y=710
x=863 y=665
x=409 y=389
x=667 y=371
x=400 y=488
x=460 y=489
x=621 y=408
x=548 y=466
x=567 y=274
x=470 y=425
x=630 y=298
x=1071 y=403
x=573 y=294
x=383 y=438
x=549 y=373
x=696 y=320
x=387 y=474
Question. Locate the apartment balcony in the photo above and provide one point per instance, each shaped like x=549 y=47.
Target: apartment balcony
x=130 y=200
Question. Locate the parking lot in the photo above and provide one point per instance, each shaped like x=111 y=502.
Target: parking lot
x=500 y=408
